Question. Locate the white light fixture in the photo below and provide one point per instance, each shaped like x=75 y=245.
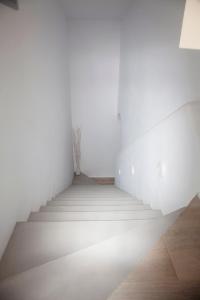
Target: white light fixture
x=119 y=172
x=190 y=35
x=161 y=169
x=133 y=170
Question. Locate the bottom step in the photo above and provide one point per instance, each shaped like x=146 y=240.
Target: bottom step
x=35 y=243
x=92 y=273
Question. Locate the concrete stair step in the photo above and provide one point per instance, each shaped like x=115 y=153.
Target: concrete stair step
x=90 y=186
x=89 y=208
x=94 y=202
x=36 y=243
x=95 y=195
x=99 y=198
x=94 y=188
x=98 y=191
x=93 y=216
x=92 y=273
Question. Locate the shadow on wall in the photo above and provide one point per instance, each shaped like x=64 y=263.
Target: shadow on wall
x=10 y=3
x=162 y=167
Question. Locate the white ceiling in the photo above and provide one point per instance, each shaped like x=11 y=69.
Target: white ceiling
x=96 y=8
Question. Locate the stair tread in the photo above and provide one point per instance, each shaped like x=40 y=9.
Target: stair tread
x=93 y=202
x=96 y=208
x=68 y=237
x=62 y=216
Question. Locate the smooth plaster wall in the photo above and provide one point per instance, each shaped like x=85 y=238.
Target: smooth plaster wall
x=94 y=82
x=157 y=78
x=35 y=122
x=162 y=167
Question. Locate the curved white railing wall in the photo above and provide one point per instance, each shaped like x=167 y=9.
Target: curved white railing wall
x=162 y=167
x=158 y=163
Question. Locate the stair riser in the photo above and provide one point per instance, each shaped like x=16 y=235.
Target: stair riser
x=90 y=190
x=92 y=202
x=94 y=189
x=92 y=216
x=94 y=208
x=98 y=195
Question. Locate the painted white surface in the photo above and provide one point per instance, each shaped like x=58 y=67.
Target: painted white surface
x=94 y=78
x=190 y=35
x=157 y=78
x=35 y=122
x=96 y=9
x=166 y=160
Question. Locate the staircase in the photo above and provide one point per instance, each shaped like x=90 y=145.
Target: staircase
x=81 y=245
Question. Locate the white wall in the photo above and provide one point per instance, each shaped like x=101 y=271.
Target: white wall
x=156 y=78
x=190 y=35
x=94 y=77
x=166 y=162
x=35 y=122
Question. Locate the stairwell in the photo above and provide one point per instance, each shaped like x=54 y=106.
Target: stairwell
x=81 y=245
x=95 y=241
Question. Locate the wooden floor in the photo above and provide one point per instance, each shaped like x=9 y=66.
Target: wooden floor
x=83 y=179
x=172 y=269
